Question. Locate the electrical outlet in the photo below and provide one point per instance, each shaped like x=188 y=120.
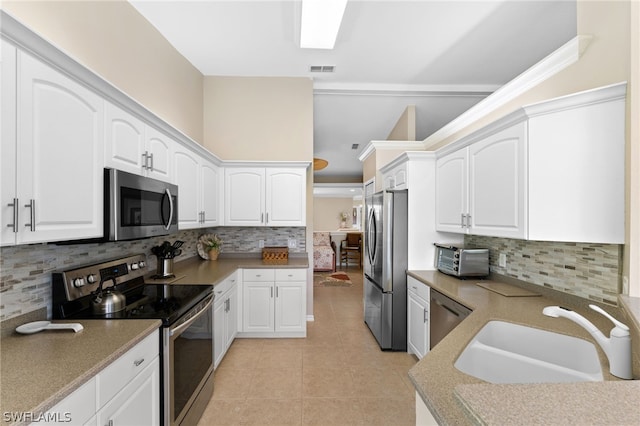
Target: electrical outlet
x=502 y=260
x=292 y=243
x=260 y=243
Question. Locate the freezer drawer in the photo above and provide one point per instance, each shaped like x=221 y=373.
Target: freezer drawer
x=377 y=313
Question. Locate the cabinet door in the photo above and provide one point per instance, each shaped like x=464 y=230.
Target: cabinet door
x=8 y=141
x=219 y=327
x=59 y=122
x=159 y=149
x=417 y=325
x=232 y=316
x=286 y=197
x=211 y=194
x=497 y=175
x=258 y=309
x=187 y=178
x=290 y=306
x=138 y=403
x=124 y=141
x=451 y=191
x=244 y=193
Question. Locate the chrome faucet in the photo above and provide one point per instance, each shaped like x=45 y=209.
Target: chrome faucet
x=617 y=347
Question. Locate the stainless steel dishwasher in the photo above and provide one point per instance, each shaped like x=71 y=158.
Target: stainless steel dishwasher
x=445 y=314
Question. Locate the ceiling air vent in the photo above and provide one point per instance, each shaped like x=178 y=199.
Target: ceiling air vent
x=355 y=146
x=322 y=68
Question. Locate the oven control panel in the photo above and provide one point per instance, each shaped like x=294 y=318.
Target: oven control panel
x=83 y=281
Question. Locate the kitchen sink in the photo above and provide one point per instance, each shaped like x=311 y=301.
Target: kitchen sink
x=502 y=352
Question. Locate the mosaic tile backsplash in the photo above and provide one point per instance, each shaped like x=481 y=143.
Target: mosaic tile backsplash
x=25 y=271
x=591 y=271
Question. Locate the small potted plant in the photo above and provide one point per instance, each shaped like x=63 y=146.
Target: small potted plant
x=212 y=245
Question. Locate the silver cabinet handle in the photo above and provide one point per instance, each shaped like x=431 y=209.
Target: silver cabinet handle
x=462 y=220
x=277 y=291
x=267 y=221
x=32 y=215
x=137 y=362
x=426 y=315
x=468 y=221
x=110 y=423
x=271 y=292
x=145 y=160
x=151 y=158
x=261 y=217
x=14 y=225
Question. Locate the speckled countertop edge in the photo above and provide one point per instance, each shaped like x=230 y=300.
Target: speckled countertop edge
x=435 y=378
x=39 y=370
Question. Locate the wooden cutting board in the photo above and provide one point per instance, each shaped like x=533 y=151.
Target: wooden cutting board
x=506 y=290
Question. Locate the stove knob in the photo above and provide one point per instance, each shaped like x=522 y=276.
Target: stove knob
x=91 y=278
x=134 y=266
x=142 y=264
x=78 y=282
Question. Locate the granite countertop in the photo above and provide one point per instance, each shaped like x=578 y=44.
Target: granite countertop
x=39 y=370
x=198 y=271
x=457 y=398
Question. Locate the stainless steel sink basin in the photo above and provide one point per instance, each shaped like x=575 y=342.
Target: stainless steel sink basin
x=503 y=352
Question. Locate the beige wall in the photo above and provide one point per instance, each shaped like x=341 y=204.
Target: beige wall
x=326 y=211
x=241 y=120
x=405 y=128
x=112 y=39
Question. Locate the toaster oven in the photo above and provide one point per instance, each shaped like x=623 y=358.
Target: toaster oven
x=462 y=262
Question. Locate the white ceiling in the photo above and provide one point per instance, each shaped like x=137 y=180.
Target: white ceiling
x=441 y=56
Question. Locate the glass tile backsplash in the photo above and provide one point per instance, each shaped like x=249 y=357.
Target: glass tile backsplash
x=25 y=271
x=591 y=271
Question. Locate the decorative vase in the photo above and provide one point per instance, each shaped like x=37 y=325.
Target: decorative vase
x=213 y=254
x=343 y=224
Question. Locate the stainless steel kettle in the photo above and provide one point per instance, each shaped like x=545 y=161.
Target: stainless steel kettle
x=107 y=301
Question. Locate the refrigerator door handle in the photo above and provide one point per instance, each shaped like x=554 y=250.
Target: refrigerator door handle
x=371 y=237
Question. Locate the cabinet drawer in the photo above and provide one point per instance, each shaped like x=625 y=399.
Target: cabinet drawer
x=419 y=288
x=258 y=275
x=223 y=286
x=116 y=376
x=291 y=274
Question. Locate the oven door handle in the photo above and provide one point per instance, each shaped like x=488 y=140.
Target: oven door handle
x=191 y=320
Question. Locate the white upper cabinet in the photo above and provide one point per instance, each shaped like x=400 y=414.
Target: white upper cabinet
x=265 y=196
x=553 y=171
x=135 y=147
x=199 y=190
x=58 y=162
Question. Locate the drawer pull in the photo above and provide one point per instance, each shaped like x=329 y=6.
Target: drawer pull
x=137 y=362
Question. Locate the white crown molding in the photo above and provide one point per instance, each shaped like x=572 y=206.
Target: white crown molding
x=390 y=145
x=558 y=60
x=617 y=91
x=408 y=156
x=418 y=90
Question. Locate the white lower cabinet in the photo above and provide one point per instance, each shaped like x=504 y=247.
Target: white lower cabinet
x=417 y=317
x=274 y=303
x=225 y=317
x=127 y=392
x=138 y=403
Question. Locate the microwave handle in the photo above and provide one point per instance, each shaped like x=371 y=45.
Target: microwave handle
x=168 y=225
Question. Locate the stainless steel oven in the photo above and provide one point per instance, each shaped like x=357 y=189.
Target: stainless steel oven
x=138 y=207
x=188 y=345
x=186 y=312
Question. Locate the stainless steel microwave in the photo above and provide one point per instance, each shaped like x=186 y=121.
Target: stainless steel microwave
x=138 y=207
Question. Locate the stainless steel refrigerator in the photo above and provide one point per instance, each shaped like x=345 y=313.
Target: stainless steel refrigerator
x=385 y=267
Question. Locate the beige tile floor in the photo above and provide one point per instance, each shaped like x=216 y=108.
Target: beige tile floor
x=337 y=375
